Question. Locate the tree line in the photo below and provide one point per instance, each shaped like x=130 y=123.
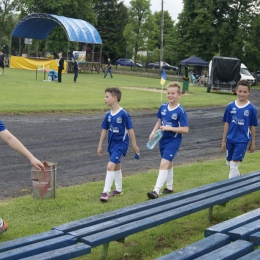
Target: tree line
x=204 y=28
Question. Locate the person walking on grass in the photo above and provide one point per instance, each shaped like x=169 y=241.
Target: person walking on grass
x=240 y=119
x=14 y=143
x=118 y=125
x=108 y=68
x=173 y=122
x=76 y=68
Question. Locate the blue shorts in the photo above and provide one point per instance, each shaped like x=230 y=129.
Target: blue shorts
x=115 y=157
x=235 y=152
x=170 y=151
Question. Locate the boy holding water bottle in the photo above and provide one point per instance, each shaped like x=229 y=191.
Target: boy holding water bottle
x=14 y=143
x=173 y=122
x=118 y=126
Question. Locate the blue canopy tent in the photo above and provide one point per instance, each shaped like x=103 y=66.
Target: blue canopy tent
x=39 y=25
x=194 y=61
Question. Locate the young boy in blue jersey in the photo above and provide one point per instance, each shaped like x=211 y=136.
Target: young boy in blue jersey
x=172 y=120
x=240 y=119
x=117 y=123
x=14 y=143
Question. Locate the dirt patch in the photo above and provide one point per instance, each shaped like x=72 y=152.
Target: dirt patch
x=72 y=140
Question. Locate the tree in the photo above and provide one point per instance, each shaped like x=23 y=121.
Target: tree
x=111 y=21
x=168 y=28
x=139 y=27
x=6 y=20
x=211 y=27
x=252 y=46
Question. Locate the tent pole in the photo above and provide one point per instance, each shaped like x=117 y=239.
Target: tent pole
x=20 y=46
x=68 y=50
x=100 y=57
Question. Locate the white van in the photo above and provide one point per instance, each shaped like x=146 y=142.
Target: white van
x=246 y=75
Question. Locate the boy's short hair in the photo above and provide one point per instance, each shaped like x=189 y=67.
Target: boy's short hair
x=115 y=92
x=176 y=85
x=244 y=83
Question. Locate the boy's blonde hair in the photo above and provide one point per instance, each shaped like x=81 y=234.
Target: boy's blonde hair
x=175 y=85
x=115 y=92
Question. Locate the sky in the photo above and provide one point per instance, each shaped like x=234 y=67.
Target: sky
x=174 y=7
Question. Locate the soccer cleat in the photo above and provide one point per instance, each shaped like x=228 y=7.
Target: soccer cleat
x=104 y=197
x=167 y=191
x=152 y=195
x=3 y=226
x=115 y=193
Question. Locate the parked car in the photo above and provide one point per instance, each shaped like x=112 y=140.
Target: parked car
x=166 y=66
x=127 y=62
x=257 y=76
x=150 y=65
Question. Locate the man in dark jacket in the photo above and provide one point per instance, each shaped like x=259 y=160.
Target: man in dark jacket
x=60 y=66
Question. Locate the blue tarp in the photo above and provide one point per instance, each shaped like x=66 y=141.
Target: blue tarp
x=39 y=25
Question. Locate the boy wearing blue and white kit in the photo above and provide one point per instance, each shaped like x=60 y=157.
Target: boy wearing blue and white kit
x=172 y=120
x=117 y=123
x=240 y=119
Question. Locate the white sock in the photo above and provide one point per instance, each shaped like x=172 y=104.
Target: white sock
x=169 y=180
x=118 y=180
x=109 y=181
x=160 y=180
x=228 y=163
x=233 y=170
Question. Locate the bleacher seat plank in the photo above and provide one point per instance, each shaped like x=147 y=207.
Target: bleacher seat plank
x=233 y=184
x=23 y=241
x=233 y=223
x=147 y=222
x=39 y=247
x=255 y=238
x=199 y=248
x=148 y=212
x=64 y=253
x=231 y=251
x=243 y=232
x=255 y=255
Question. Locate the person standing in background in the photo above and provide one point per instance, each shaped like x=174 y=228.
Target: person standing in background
x=60 y=66
x=2 y=61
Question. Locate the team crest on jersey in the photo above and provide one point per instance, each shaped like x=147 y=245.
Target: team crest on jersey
x=163 y=112
x=246 y=113
x=174 y=116
x=109 y=119
x=233 y=110
x=119 y=120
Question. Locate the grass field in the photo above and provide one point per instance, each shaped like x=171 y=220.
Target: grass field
x=20 y=92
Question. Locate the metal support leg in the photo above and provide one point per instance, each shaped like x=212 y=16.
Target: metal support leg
x=104 y=251
x=210 y=214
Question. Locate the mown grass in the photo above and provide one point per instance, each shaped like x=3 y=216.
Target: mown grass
x=21 y=93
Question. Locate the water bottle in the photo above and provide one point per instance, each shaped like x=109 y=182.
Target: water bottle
x=155 y=139
x=49 y=78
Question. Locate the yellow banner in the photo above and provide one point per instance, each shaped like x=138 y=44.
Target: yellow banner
x=34 y=64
